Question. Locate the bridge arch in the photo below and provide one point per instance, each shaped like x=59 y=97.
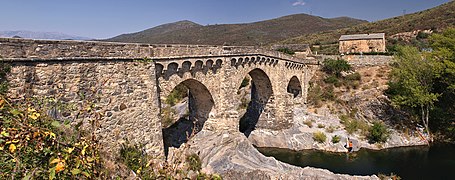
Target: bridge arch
x=261 y=92
x=295 y=87
x=186 y=116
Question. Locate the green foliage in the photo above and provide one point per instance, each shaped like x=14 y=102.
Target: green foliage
x=353 y=125
x=336 y=139
x=35 y=146
x=245 y=82
x=167 y=115
x=308 y=123
x=319 y=137
x=135 y=159
x=332 y=79
x=194 y=162
x=176 y=95
x=378 y=133
x=5 y=68
x=335 y=67
x=353 y=77
x=286 y=51
x=422 y=35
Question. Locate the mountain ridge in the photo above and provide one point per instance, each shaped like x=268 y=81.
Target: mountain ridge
x=255 y=33
x=41 y=35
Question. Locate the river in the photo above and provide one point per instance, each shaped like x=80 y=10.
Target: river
x=421 y=162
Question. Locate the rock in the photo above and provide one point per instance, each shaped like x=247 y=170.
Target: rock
x=236 y=158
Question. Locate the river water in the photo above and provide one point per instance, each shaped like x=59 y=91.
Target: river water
x=422 y=162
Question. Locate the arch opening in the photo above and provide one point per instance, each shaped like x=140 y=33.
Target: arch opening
x=184 y=112
x=294 y=87
x=254 y=99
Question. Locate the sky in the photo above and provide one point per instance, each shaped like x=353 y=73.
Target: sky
x=107 y=18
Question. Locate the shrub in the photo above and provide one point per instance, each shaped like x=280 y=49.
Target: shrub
x=335 y=67
x=378 y=133
x=353 y=77
x=308 y=123
x=286 y=51
x=245 y=82
x=194 y=162
x=5 y=68
x=176 y=95
x=321 y=126
x=330 y=129
x=319 y=137
x=353 y=125
x=331 y=80
x=335 y=139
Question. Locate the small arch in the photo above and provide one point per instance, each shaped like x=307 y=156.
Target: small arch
x=186 y=67
x=198 y=66
x=294 y=87
x=208 y=66
x=239 y=62
x=172 y=68
x=234 y=62
x=159 y=70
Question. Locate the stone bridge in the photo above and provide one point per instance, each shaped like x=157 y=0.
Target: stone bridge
x=123 y=86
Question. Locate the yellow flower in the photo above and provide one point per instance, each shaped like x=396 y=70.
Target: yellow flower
x=12 y=148
x=34 y=115
x=60 y=166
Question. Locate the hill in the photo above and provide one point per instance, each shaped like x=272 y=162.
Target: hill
x=257 y=33
x=40 y=35
x=435 y=18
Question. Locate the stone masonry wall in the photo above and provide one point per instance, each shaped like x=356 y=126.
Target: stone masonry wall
x=122 y=93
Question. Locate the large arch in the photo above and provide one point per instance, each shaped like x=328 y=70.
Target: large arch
x=261 y=91
x=199 y=104
x=294 y=87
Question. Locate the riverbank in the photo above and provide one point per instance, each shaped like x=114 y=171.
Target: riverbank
x=300 y=136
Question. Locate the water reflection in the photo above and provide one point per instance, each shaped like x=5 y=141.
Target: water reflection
x=423 y=162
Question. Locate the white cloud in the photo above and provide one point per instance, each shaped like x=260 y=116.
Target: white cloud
x=298 y=3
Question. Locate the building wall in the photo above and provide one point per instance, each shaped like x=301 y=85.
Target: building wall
x=357 y=46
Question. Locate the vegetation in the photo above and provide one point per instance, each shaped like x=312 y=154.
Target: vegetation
x=353 y=125
x=422 y=83
x=177 y=95
x=4 y=69
x=245 y=82
x=35 y=146
x=286 y=51
x=335 y=67
x=436 y=18
x=308 y=123
x=336 y=139
x=378 y=133
x=319 y=137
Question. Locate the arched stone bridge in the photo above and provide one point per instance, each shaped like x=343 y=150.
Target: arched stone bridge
x=127 y=85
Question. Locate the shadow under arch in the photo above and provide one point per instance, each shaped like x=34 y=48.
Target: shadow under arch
x=199 y=103
x=261 y=91
x=294 y=87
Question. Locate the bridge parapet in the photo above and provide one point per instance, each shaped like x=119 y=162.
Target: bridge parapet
x=42 y=50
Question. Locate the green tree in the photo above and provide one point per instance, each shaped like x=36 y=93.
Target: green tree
x=411 y=82
x=335 y=67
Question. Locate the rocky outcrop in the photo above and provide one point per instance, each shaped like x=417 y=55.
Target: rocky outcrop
x=233 y=156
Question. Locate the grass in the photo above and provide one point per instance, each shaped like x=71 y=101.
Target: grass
x=321 y=126
x=330 y=129
x=308 y=123
x=336 y=139
x=353 y=125
x=319 y=137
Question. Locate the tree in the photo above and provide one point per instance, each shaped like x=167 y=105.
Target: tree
x=411 y=82
x=332 y=66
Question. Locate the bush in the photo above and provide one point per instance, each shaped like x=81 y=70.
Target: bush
x=194 y=162
x=378 y=133
x=335 y=67
x=245 y=82
x=308 y=123
x=319 y=137
x=353 y=77
x=286 y=51
x=321 y=126
x=332 y=80
x=176 y=95
x=353 y=125
x=335 y=139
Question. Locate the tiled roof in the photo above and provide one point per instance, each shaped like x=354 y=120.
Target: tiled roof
x=362 y=36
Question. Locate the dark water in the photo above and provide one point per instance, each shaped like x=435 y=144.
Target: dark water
x=423 y=162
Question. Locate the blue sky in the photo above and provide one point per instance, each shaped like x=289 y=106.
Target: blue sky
x=107 y=18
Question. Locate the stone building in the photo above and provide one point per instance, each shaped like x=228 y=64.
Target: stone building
x=362 y=43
